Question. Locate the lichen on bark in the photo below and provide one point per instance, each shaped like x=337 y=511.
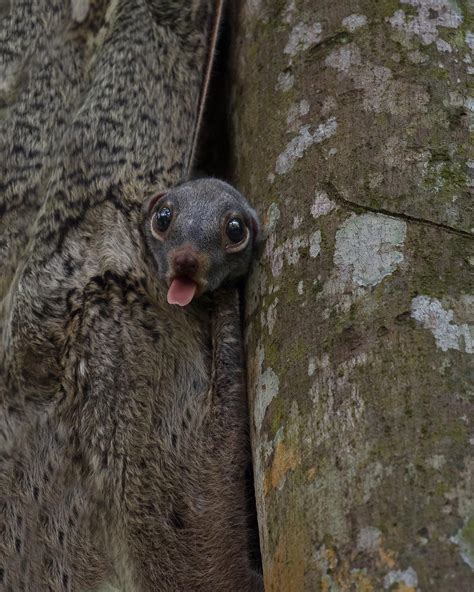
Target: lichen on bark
x=352 y=124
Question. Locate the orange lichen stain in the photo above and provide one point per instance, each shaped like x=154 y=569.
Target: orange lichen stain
x=339 y=575
x=401 y=587
x=343 y=579
x=331 y=558
x=285 y=572
x=362 y=582
x=311 y=474
x=284 y=459
x=325 y=585
x=387 y=558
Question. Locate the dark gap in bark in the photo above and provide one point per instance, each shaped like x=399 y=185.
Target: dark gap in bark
x=213 y=154
x=214 y=157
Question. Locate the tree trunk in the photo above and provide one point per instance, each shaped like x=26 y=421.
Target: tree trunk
x=351 y=135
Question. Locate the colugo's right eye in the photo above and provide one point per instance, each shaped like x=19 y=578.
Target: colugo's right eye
x=162 y=218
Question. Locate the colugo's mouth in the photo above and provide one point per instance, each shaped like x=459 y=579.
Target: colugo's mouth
x=182 y=290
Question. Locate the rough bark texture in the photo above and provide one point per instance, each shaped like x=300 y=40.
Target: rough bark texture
x=351 y=135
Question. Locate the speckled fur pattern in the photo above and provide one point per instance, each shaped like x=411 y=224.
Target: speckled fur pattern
x=123 y=421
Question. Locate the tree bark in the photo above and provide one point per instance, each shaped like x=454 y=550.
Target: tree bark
x=352 y=137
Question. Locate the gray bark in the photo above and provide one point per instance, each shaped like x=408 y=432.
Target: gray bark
x=352 y=124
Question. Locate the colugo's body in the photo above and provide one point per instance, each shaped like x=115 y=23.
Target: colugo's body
x=123 y=436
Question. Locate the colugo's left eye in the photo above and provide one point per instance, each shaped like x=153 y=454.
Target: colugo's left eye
x=235 y=230
x=163 y=218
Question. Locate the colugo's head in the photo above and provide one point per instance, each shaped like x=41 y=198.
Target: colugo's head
x=202 y=234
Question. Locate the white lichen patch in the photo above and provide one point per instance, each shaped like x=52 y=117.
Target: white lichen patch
x=308 y=135
x=416 y=57
x=292 y=247
x=368 y=248
x=328 y=381
x=253 y=7
x=315 y=244
x=297 y=221
x=272 y=315
x=369 y=539
x=354 y=22
x=273 y=215
x=321 y=205
x=267 y=388
x=80 y=8
x=303 y=36
x=407 y=577
x=436 y=462
x=295 y=113
x=290 y=250
x=375 y=180
x=397 y=153
x=344 y=58
x=443 y=46
x=375 y=474
x=311 y=367
x=448 y=335
x=289 y=12
x=455 y=99
x=465 y=543
x=453 y=214
x=273 y=289
x=381 y=92
x=375 y=82
x=274 y=254
x=285 y=81
x=431 y=14
x=470 y=40
x=300 y=287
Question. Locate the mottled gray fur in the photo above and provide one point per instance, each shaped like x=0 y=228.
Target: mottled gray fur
x=123 y=434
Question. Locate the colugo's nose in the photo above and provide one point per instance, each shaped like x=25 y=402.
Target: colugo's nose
x=185 y=263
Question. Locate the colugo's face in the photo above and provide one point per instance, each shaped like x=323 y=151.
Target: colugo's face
x=201 y=234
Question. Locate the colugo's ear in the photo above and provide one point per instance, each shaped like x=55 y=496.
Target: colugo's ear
x=150 y=202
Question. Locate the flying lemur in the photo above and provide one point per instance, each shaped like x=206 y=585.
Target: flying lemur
x=123 y=436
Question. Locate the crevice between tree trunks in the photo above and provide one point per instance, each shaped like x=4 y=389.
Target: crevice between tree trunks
x=214 y=157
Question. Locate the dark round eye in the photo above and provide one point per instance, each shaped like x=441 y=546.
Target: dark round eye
x=235 y=230
x=163 y=218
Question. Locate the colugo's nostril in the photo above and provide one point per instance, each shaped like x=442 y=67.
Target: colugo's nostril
x=185 y=263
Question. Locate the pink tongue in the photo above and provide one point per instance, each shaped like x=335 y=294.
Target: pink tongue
x=181 y=291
